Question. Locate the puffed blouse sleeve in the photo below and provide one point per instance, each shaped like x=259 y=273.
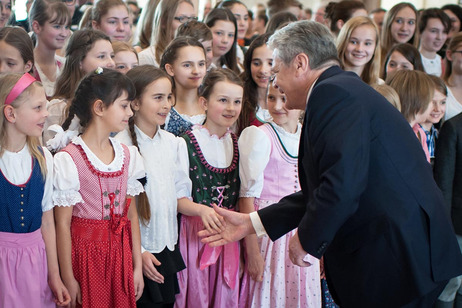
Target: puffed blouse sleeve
x=66 y=184
x=47 y=201
x=254 y=152
x=135 y=171
x=183 y=183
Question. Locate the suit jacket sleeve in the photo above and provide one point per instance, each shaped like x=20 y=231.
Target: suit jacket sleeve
x=445 y=161
x=335 y=166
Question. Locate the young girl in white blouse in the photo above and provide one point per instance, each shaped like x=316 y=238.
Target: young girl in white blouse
x=268 y=172
x=95 y=180
x=167 y=186
x=28 y=262
x=211 y=276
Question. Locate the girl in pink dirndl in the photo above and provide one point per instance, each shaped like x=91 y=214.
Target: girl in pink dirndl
x=28 y=260
x=95 y=180
x=268 y=169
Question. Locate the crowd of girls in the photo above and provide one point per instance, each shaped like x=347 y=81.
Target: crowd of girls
x=113 y=156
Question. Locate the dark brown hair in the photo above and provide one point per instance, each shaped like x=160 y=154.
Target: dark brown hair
x=19 y=39
x=342 y=10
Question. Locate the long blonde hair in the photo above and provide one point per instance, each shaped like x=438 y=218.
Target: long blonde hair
x=371 y=71
x=7 y=83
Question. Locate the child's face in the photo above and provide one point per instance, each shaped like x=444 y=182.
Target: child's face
x=276 y=102
x=125 y=61
x=398 y=62
x=208 y=51
x=223 y=37
x=154 y=104
x=223 y=106
x=184 y=10
x=360 y=47
x=403 y=26
x=52 y=35
x=260 y=67
x=11 y=60
x=116 y=115
x=100 y=55
x=31 y=113
x=420 y=118
x=433 y=36
x=189 y=68
x=5 y=12
x=438 y=107
x=242 y=18
x=116 y=24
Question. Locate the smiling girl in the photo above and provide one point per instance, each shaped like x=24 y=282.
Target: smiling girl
x=402 y=57
x=359 y=49
x=50 y=20
x=112 y=18
x=184 y=60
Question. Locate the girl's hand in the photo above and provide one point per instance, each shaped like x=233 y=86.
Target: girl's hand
x=60 y=292
x=74 y=291
x=139 y=282
x=255 y=266
x=148 y=267
x=211 y=220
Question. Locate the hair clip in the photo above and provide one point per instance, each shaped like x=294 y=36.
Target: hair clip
x=99 y=70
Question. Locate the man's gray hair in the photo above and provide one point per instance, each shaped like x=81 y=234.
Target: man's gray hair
x=308 y=37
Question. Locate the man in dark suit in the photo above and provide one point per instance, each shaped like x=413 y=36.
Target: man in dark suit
x=448 y=176
x=368 y=203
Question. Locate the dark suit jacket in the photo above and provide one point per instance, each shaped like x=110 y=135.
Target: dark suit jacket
x=448 y=168
x=369 y=203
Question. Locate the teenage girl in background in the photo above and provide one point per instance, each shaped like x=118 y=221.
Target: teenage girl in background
x=112 y=18
x=359 y=49
x=402 y=57
x=167 y=186
x=223 y=25
x=94 y=185
x=87 y=50
x=125 y=56
x=169 y=15
x=184 y=60
x=257 y=72
x=28 y=260
x=338 y=13
x=399 y=27
x=268 y=172
x=16 y=50
x=211 y=277
x=50 y=21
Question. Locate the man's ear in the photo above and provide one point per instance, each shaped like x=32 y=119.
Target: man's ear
x=8 y=112
x=301 y=64
x=98 y=107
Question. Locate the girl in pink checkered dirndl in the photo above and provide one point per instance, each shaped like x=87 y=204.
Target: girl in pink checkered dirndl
x=96 y=178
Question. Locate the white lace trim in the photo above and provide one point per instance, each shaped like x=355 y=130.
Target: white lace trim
x=66 y=197
x=115 y=165
x=213 y=136
x=134 y=187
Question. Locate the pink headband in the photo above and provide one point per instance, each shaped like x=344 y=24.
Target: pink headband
x=22 y=84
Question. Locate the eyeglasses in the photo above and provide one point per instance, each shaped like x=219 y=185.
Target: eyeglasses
x=69 y=2
x=183 y=19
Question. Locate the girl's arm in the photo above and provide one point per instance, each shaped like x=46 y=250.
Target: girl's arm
x=211 y=220
x=62 y=297
x=136 y=249
x=254 y=260
x=63 y=216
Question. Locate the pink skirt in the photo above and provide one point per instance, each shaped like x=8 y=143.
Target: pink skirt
x=23 y=271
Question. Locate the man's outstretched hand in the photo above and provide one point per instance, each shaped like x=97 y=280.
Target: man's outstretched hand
x=237 y=226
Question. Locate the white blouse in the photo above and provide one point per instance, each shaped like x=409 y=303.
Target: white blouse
x=66 y=177
x=218 y=152
x=148 y=56
x=254 y=154
x=49 y=85
x=453 y=107
x=166 y=183
x=17 y=168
